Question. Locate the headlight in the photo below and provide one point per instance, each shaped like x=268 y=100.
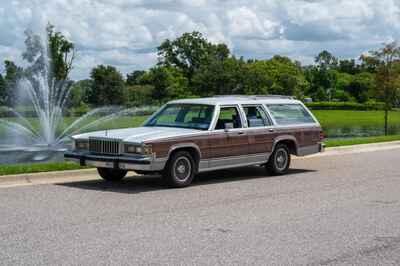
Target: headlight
x=80 y=144
x=138 y=149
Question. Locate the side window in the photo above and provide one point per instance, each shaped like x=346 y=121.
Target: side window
x=288 y=114
x=228 y=115
x=256 y=117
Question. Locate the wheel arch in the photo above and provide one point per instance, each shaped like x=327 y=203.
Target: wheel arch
x=289 y=140
x=192 y=148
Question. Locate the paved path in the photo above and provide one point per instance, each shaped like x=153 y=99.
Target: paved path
x=330 y=210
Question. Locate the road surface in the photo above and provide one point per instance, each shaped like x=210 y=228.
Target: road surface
x=330 y=210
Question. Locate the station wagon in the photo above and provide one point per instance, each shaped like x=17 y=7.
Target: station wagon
x=190 y=136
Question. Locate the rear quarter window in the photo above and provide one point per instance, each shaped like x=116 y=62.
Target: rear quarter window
x=289 y=114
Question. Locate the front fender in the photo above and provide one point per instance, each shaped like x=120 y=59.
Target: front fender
x=184 y=145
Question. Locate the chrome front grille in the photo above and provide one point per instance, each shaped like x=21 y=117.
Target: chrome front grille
x=104 y=146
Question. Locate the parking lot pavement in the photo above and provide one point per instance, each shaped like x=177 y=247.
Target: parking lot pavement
x=330 y=210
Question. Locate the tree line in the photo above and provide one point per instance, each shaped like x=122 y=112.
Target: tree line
x=192 y=66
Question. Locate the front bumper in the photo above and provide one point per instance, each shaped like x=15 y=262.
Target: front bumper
x=118 y=162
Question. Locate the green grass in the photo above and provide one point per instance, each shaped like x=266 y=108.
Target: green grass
x=120 y=122
x=355 y=141
x=36 y=168
x=348 y=118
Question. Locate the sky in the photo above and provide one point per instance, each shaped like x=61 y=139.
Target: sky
x=126 y=33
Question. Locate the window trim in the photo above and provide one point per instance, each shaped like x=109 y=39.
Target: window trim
x=218 y=111
x=267 y=114
x=315 y=121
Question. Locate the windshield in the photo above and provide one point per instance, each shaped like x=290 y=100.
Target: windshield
x=195 y=116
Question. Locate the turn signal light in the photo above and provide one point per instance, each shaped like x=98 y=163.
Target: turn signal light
x=321 y=135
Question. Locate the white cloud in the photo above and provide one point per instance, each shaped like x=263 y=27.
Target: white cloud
x=125 y=33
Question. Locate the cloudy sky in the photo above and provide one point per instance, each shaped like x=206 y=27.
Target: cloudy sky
x=125 y=33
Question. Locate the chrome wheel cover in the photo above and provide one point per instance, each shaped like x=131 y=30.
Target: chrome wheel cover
x=281 y=159
x=182 y=168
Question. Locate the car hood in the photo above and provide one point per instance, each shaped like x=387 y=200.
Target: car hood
x=139 y=134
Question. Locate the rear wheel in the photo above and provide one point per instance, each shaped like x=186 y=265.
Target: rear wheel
x=279 y=161
x=180 y=169
x=110 y=174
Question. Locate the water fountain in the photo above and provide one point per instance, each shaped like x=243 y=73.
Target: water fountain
x=44 y=138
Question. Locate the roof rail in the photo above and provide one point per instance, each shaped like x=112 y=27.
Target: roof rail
x=255 y=97
x=272 y=96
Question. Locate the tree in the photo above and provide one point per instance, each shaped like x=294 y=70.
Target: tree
x=189 y=52
x=80 y=92
x=369 y=63
x=220 y=77
x=387 y=75
x=322 y=76
x=13 y=73
x=348 y=66
x=135 y=78
x=62 y=53
x=361 y=86
x=107 y=86
x=326 y=60
x=169 y=83
x=139 y=95
x=3 y=91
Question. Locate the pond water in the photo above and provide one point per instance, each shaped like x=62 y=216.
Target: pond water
x=359 y=131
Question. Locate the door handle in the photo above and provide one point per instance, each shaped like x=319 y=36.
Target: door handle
x=240 y=133
x=271 y=130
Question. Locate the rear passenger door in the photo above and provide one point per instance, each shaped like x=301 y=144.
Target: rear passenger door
x=260 y=131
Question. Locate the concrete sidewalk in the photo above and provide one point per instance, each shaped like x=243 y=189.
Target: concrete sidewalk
x=91 y=174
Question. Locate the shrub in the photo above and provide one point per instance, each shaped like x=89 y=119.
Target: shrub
x=79 y=110
x=371 y=105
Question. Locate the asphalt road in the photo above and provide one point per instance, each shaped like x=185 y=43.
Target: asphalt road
x=330 y=210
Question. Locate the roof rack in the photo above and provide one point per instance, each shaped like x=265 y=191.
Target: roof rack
x=255 y=97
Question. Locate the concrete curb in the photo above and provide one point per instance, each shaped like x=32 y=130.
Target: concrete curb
x=91 y=174
x=44 y=177
x=359 y=148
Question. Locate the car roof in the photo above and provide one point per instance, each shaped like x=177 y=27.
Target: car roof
x=240 y=99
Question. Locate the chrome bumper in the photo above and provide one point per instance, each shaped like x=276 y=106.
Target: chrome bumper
x=118 y=162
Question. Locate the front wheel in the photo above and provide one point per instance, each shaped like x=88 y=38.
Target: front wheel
x=180 y=169
x=279 y=161
x=110 y=174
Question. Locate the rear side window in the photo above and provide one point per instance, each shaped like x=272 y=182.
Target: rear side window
x=288 y=114
x=256 y=116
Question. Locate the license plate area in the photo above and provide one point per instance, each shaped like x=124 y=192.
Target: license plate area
x=100 y=164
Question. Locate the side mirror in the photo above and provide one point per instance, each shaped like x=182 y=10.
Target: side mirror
x=228 y=126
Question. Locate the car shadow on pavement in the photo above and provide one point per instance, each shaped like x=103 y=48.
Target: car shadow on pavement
x=139 y=183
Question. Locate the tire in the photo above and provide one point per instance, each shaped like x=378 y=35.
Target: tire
x=110 y=174
x=180 y=169
x=279 y=161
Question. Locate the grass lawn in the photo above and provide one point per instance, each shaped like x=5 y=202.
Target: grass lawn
x=349 y=118
x=36 y=168
x=355 y=141
x=119 y=122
